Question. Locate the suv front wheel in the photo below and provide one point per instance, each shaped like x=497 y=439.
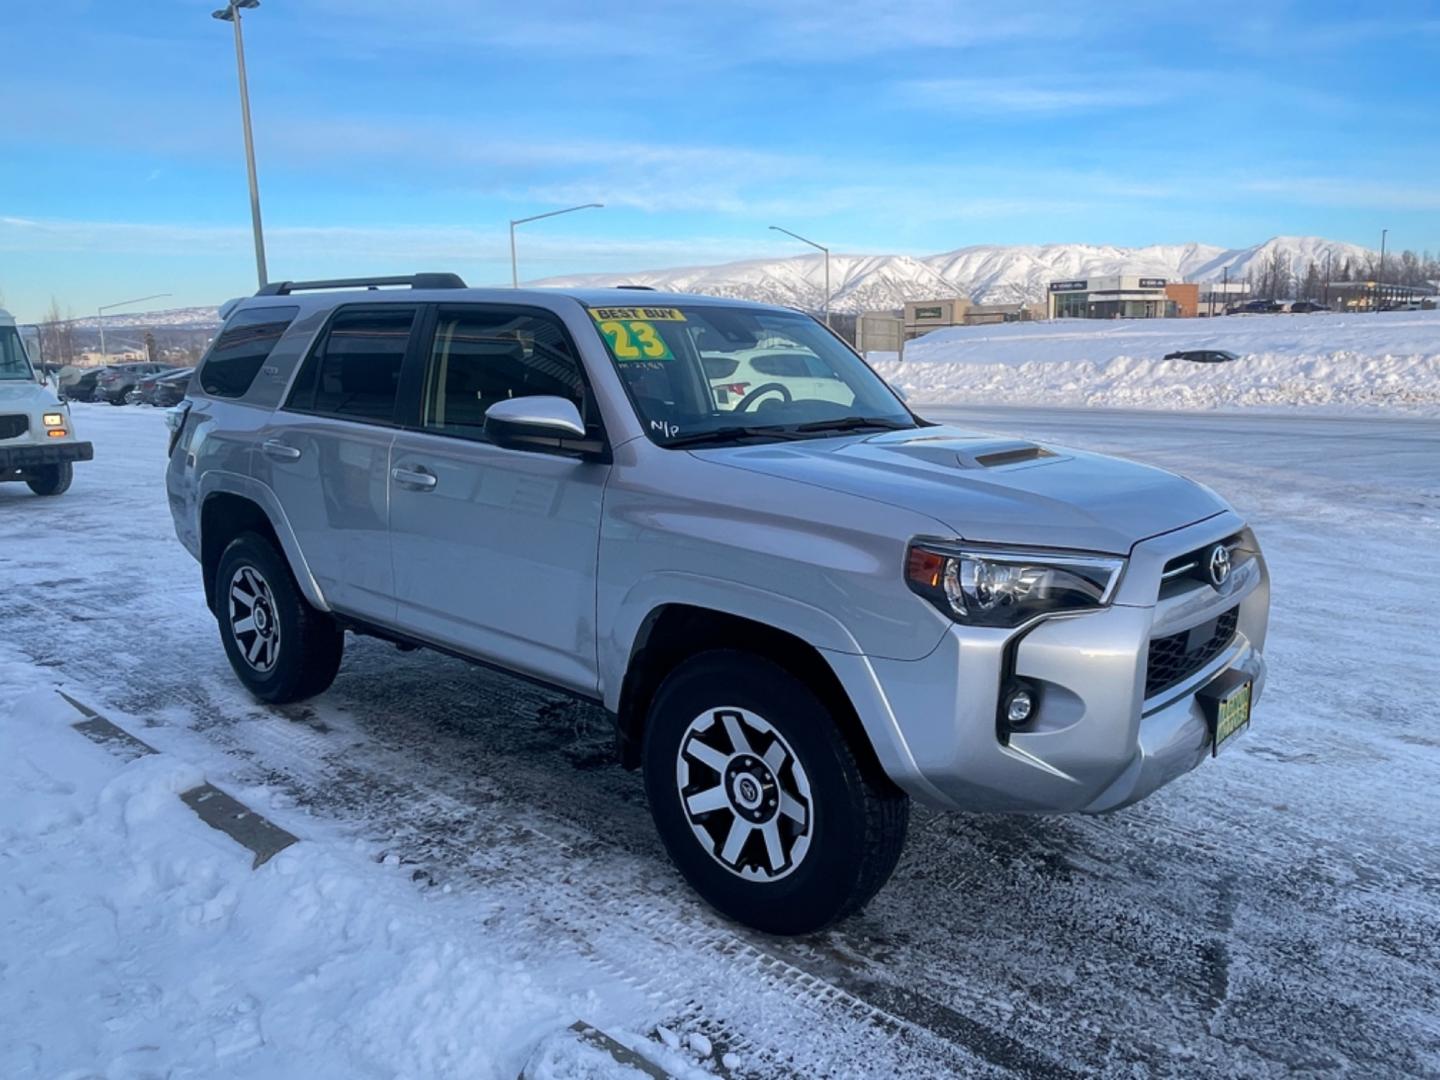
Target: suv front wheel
x=281 y=648
x=760 y=799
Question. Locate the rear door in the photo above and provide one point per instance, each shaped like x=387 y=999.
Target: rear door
x=326 y=454
x=495 y=549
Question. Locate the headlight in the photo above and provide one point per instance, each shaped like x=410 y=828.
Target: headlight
x=53 y=419
x=981 y=587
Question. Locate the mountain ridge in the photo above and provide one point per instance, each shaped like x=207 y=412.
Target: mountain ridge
x=986 y=273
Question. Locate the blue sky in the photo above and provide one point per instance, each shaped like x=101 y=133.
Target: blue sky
x=395 y=135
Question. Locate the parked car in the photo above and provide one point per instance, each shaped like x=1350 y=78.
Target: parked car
x=1256 y=307
x=116 y=381
x=1203 y=356
x=37 y=438
x=143 y=392
x=169 y=389
x=769 y=377
x=1305 y=307
x=78 y=384
x=802 y=613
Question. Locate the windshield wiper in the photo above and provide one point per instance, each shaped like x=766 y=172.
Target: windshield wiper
x=728 y=434
x=855 y=423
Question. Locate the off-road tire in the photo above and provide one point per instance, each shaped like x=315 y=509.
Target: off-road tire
x=857 y=818
x=51 y=479
x=308 y=643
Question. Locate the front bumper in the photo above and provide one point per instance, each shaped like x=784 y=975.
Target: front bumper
x=37 y=455
x=1097 y=742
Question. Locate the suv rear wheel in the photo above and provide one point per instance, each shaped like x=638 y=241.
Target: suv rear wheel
x=50 y=479
x=760 y=800
x=281 y=648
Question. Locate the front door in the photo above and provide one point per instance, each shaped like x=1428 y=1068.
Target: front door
x=495 y=549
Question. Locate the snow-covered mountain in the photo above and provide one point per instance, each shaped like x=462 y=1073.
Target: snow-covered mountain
x=197 y=318
x=987 y=273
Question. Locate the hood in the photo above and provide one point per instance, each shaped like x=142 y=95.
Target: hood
x=990 y=489
x=22 y=393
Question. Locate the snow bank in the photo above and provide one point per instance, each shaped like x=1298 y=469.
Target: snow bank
x=140 y=943
x=1390 y=360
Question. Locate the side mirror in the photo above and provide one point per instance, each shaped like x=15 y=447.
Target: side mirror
x=537 y=423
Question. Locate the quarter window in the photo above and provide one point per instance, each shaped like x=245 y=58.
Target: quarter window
x=480 y=356
x=242 y=347
x=354 y=370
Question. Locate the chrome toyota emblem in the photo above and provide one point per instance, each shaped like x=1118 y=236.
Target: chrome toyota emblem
x=1219 y=565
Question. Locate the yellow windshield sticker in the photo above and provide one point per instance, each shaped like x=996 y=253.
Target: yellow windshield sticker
x=635 y=339
x=649 y=314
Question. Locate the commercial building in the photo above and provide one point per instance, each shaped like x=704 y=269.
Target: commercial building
x=1372 y=295
x=1123 y=296
x=1216 y=296
x=922 y=316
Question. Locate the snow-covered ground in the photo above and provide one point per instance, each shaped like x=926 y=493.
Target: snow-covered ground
x=1328 y=360
x=473 y=875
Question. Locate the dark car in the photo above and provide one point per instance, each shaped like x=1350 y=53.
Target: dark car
x=118 y=380
x=169 y=389
x=1304 y=307
x=1203 y=356
x=1257 y=307
x=79 y=383
x=143 y=392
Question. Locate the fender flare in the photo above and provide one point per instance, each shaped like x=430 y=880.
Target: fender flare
x=810 y=624
x=220 y=482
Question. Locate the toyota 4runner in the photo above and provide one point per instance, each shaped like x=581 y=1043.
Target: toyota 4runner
x=803 y=604
x=37 y=438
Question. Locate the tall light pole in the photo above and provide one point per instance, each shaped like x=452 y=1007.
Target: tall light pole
x=1380 y=288
x=100 y=314
x=514 y=266
x=231 y=14
x=818 y=247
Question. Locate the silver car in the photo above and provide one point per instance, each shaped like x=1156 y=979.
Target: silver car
x=804 y=610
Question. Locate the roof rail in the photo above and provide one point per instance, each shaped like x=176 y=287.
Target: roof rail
x=415 y=281
x=645 y=288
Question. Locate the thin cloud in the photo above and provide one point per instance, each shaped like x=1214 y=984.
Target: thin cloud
x=1009 y=95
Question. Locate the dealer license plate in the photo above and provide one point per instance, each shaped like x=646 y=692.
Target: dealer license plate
x=1232 y=715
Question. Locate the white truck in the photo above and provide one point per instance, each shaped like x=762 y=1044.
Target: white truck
x=37 y=437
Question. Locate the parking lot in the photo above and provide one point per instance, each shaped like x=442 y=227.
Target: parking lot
x=1277 y=911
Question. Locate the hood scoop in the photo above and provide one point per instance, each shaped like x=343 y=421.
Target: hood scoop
x=1009 y=453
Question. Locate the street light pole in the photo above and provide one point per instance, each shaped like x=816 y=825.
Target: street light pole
x=231 y=14
x=100 y=315
x=1380 y=288
x=818 y=247
x=514 y=266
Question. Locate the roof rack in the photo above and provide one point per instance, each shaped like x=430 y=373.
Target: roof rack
x=644 y=288
x=415 y=281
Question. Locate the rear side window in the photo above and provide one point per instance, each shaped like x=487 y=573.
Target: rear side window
x=241 y=349
x=354 y=370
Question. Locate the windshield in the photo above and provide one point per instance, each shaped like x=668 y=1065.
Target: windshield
x=14 y=364
x=702 y=373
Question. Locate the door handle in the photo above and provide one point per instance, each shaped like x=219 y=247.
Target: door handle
x=418 y=478
x=280 y=451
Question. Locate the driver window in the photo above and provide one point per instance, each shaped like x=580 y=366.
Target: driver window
x=480 y=356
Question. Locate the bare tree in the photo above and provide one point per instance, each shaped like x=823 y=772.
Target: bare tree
x=57 y=336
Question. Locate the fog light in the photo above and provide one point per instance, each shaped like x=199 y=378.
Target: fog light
x=1019 y=707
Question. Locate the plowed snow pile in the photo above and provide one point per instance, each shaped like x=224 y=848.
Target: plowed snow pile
x=1390 y=360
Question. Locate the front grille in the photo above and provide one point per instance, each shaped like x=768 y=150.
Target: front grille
x=1175 y=658
x=12 y=427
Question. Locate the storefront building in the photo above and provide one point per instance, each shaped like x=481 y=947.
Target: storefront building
x=1124 y=296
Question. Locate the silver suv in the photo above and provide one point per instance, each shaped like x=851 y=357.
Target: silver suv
x=803 y=604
